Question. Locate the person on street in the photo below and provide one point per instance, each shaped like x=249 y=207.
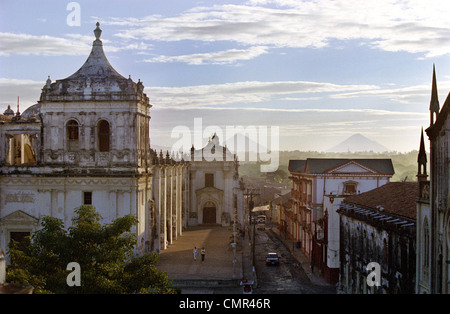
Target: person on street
x=203 y=252
x=195 y=253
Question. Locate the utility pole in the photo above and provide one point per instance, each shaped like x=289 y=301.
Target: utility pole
x=250 y=206
x=234 y=235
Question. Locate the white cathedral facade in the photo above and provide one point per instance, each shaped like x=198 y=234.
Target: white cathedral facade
x=87 y=141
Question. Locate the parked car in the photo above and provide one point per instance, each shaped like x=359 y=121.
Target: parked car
x=272 y=259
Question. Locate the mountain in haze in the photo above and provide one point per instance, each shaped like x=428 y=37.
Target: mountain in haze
x=358 y=143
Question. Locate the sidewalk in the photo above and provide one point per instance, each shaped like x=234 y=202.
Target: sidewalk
x=315 y=276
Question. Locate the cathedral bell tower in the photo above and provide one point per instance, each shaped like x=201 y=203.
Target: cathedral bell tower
x=96 y=118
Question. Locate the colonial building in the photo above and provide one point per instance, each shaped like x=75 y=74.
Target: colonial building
x=318 y=187
x=217 y=194
x=433 y=208
x=87 y=141
x=276 y=207
x=379 y=226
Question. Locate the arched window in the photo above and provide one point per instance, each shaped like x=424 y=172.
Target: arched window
x=103 y=137
x=72 y=131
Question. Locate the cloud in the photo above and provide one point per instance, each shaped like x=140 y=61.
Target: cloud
x=25 y=44
x=70 y=45
x=413 y=26
x=27 y=90
x=406 y=95
x=209 y=96
x=220 y=57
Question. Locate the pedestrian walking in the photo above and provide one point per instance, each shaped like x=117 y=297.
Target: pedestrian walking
x=203 y=252
x=195 y=253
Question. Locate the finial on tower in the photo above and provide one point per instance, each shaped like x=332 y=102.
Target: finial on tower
x=97 y=31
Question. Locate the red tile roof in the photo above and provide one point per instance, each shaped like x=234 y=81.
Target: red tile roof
x=398 y=198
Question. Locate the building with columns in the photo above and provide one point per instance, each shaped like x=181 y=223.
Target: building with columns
x=87 y=141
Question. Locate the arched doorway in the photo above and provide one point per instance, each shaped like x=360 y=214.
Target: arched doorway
x=209 y=213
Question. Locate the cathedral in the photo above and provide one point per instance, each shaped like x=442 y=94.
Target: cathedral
x=216 y=187
x=433 y=207
x=87 y=142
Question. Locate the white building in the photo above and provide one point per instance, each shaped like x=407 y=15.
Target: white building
x=217 y=194
x=87 y=141
x=318 y=187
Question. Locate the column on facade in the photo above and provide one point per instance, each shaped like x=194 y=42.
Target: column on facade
x=113 y=203
x=170 y=214
x=157 y=207
x=164 y=207
x=186 y=195
x=150 y=214
x=9 y=149
x=60 y=205
x=179 y=207
x=193 y=199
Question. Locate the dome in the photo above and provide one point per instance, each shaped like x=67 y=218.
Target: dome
x=9 y=111
x=32 y=112
x=95 y=80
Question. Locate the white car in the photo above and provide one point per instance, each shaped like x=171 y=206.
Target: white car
x=272 y=259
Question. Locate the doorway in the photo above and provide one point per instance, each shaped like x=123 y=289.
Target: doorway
x=209 y=215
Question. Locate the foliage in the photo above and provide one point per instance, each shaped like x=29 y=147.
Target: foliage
x=104 y=253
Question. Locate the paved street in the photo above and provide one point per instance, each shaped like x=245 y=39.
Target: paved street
x=287 y=278
x=217 y=273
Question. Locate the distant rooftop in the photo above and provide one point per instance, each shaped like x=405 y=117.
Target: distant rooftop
x=324 y=165
x=398 y=198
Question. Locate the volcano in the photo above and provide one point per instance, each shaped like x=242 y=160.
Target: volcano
x=358 y=143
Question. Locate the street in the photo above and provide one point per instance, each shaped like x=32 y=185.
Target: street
x=215 y=274
x=288 y=277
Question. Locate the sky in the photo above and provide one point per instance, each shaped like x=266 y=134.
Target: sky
x=318 y=71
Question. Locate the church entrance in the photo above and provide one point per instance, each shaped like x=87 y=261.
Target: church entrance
x=209 y=214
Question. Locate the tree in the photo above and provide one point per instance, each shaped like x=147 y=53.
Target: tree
x=104 y=253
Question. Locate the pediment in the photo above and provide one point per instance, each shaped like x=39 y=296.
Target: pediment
x=209 y=189
x=19 y=217
x=352 y=167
